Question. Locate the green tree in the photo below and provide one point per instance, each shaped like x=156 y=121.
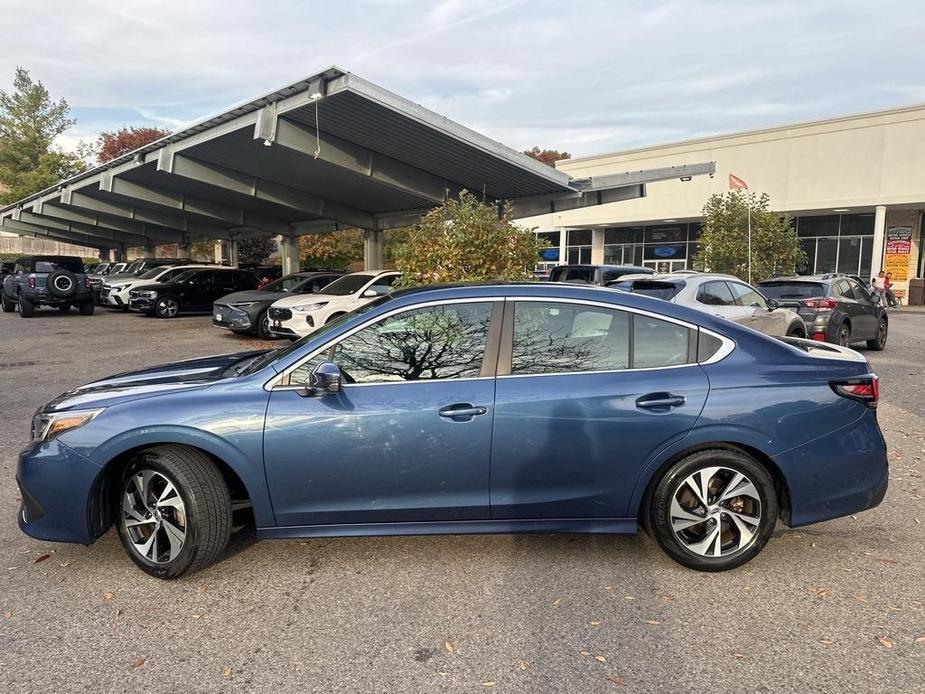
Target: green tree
x=255 y=250
x=467 y=240
x=547 y=156
x=334 y=249
x=723 y=245
x=29 y=122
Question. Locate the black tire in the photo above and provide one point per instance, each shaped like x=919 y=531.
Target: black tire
x=64 y=308
x=207 y=513
x=843 y=336
x=167 y=307
x=26 y=307
x=658 y=509
x=879 y=342
x=333 y=316
x=61 y=284
x=87 y=308
x=263 y=326
x=8 y=306
x=796 y=331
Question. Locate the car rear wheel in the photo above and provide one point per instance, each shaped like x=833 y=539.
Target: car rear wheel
x=713 y=510
x=8 y=306
x=879 y=342
x=333 y=316
x=167 y=307
x=87 y=308
x=26 y=308
x=796 y=331
x=174 y=511
x=843 y=337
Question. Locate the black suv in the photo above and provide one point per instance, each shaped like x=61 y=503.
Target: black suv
x=595 y=274
x=137 y=267
x=47 y=280
x=192 y=291
x=246 y=312
x=835 y=308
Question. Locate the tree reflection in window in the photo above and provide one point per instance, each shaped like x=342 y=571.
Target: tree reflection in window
x=436 y=342
x=563 y=338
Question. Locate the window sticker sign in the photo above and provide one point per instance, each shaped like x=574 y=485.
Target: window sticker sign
x=898 y=248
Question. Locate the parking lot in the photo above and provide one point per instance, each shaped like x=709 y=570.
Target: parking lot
x=838 y=606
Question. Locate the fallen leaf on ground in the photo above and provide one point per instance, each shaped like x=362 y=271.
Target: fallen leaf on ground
x=920 y=639
x=628 y=597
x=893 y=608
x=523 y=664
x=8 y=615
x=584 y=653
x=65 y=564
x=41 y=558
x=196 y=616
x=826 y=642
x=557 y=602
x=488 y=684
x=449 y=647
x=600 y=659
x=137 y=663
x=203 y=588
x=615 y=680
x=738 y=656
x=108 y=595
x=885 y=642
x=652 y=621
x=860 y=598
x=596 y=623
x=227 y=673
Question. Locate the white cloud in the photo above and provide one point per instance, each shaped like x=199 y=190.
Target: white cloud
x=588 y=77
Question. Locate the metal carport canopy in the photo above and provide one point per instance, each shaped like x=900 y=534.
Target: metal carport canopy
x=330 y=151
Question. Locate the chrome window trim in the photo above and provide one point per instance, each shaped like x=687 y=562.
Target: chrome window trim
x=727 y=345
x=277 y=382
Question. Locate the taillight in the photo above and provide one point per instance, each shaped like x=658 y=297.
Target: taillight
x=86 y=282
x=818 y=337
x=820 y=303
x=31 y=282
x=865 y=389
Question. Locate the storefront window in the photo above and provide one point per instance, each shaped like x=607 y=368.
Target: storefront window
x=826 y=225
x=579 y=246
x=826 y=255
x=666 y=233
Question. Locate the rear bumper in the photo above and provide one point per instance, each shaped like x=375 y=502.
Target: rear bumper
x=844 y=472
x=41 y=297
x=56 y=484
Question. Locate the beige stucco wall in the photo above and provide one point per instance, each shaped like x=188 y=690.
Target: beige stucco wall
x=854 y=162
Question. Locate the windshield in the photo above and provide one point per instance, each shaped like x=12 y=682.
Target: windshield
x=185 y=275
x=135 y=267
x=658 y=290
x=270 y=357
x=62 y=264
x=348 y=284
x=151 y=274
x=791 y=290
x=285 y=284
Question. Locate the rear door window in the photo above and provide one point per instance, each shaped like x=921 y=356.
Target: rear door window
x=746 y=296
x=842 y=290
x=715 y=294
x=659 y=343
x=62 y=264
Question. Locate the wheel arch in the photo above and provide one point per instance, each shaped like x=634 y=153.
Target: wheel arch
x=644 y=488
x=243 y=477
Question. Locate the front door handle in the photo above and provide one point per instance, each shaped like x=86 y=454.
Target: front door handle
x=463 y=411
x=660 y=401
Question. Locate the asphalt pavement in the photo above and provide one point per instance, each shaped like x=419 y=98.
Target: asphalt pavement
x=834 y=607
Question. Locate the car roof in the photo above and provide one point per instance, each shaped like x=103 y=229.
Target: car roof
x=816 y=279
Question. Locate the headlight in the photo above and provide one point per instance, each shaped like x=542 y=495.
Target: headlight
x=47 y=425
x=145 y=294
x=306 y=308
x=243 y=304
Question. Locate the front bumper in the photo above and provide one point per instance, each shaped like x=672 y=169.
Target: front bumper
x=113 y=298
x=142 y=304
x=56 y=484
x=231 y=318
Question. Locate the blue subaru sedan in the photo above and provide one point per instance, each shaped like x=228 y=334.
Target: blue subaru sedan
x=468 y=409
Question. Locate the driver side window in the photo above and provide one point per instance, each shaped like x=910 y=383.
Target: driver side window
x=437 y=342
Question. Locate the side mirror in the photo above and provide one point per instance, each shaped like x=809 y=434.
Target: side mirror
x=370 y=293
x=875 y=297
x=772 y=304
x=326 y=380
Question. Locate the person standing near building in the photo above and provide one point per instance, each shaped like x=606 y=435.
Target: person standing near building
x=879 y=285
x=888 y=291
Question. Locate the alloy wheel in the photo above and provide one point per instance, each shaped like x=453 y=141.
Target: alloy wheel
x=168 y=308
x=153 y=516
x=881 y=333
x=715 y=512
x=844 y=336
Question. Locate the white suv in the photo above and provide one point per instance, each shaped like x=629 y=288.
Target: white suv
x=114 y=294
x=297 y=316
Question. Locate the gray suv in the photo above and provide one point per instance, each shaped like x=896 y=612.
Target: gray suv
x=47 y=280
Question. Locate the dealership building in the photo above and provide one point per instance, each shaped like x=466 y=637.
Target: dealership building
x=854 y=187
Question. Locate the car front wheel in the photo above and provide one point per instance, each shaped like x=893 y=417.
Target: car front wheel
x=879 y=342
x=26 y=308
x=173 y=512
x=8 y=306
x=167 y=307
x=713 y=510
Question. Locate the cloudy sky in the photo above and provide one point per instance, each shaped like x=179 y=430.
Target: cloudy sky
x=588 y=76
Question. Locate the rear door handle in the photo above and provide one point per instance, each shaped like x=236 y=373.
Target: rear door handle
x=462 y=411
x=660 y=401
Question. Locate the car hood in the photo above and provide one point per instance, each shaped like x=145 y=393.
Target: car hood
x=291 y=300
x=254 y=295
x=154 y=380
x=158 y=286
